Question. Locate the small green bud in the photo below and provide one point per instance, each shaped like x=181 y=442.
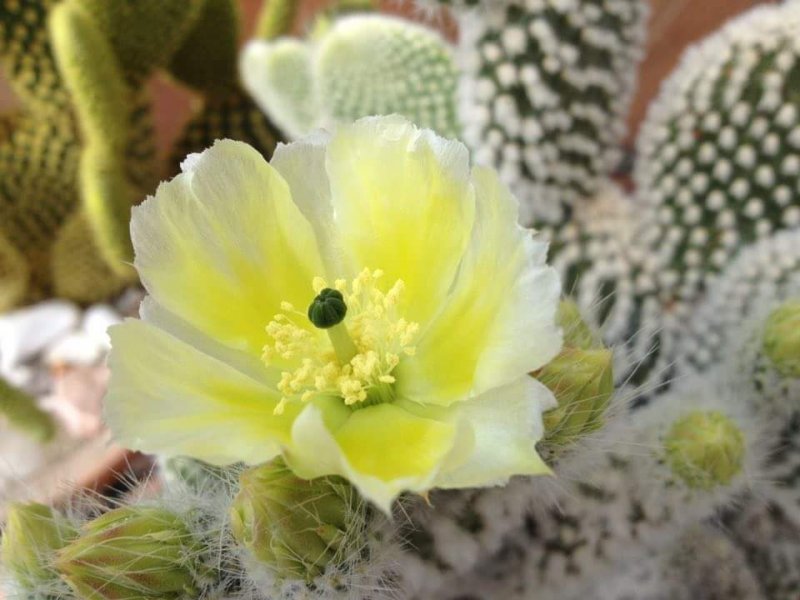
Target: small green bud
x=577 y=333
x=132 y=553
x=582 y=382
x=327 y=309
x=705 y=449
x=782 y=339
x=32 y=535
x=296 y=526
x=581 y=378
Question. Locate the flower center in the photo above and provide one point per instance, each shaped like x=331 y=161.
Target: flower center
x=366 y=339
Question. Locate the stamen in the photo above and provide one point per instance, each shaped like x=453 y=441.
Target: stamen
x=358 y=363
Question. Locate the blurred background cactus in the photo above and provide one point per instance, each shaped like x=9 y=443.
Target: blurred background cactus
x=676 y=439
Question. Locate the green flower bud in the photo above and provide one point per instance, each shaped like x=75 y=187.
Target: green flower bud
x=32 y=535
x=582 y=382
x=132 y=553
x=782 y=339
x=327 y=309
x=296 y=526
x=577 y=333
x=705 y=449
x=581 y=378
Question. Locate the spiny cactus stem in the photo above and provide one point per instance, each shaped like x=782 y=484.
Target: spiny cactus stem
x=21 y=410
x=277 y=18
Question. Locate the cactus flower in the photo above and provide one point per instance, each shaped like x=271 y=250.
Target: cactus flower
x=365 y=306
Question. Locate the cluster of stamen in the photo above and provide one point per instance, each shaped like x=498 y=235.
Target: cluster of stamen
x=318 y=364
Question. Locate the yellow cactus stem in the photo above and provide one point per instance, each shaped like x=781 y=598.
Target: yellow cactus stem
x=132 y=552
x=22 y=412
x=276 y=19
x=295 y=526
x=32 y=535
x=781 y=339
x=705 y=449
x=91 y=72
x=581 y=378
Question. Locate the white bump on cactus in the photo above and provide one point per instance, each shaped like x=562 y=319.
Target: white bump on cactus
x=544 y=91
x=737 y=302
x=629 y=504
x=716 y=154
x=362 y=65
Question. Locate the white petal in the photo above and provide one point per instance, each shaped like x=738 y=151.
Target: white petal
x=168 y=397
x=223 y=244
x=403 y=204
x=506 y=425
x=302 y=165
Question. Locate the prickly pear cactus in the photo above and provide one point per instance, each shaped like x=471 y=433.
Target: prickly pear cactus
x=360 y=65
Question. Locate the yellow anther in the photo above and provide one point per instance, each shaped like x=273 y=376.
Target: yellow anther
x=377 y=337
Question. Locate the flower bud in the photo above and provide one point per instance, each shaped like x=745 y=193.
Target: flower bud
x=782 y=339
x=577 y=333
x=131 y=552
x=32 y=535
x=582 y=382
x=296 y=526
x=581 y=378
x=705 y=449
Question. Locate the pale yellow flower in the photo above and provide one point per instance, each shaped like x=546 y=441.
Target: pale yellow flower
x=449 y=306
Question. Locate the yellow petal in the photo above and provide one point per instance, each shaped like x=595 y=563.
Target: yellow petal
x=382 y=450
x=168 y=397
x=302 y=165
x=506 y=424
x=222 y=244
x=403 y=204
x=500 y=320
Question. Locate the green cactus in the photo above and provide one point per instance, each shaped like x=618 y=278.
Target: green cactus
x=719 y=151
x=82 y=149
x=361 y=65
x=545 y=88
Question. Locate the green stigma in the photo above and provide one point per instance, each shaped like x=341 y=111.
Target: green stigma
x=327 y=309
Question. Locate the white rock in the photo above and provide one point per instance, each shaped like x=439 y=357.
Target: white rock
x=76 y=348
x=26 y=332
x=96 y=322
